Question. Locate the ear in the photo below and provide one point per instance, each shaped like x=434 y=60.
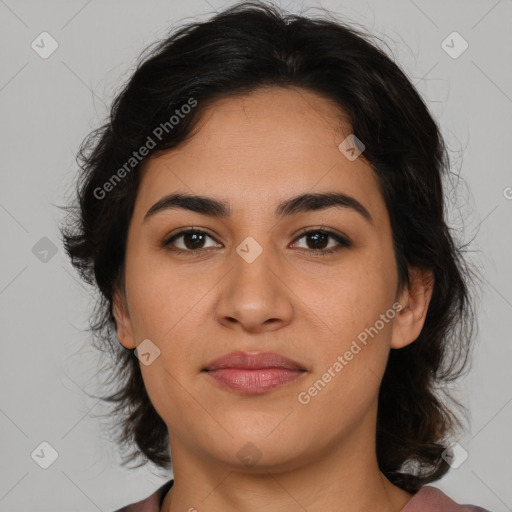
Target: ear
x=414 y=300
x=123 y=321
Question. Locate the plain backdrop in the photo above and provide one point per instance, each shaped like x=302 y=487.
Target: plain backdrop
x=48 y=105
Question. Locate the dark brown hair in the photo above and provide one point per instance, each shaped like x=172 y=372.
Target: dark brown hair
x=252 y=45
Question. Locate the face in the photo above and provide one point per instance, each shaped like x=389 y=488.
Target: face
x=255 y=280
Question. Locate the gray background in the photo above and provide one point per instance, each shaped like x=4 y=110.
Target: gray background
x=49 y=105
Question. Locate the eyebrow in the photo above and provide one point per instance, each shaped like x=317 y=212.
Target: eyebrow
x=298 y=204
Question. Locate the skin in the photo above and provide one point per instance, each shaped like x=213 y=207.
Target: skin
x=254 y=151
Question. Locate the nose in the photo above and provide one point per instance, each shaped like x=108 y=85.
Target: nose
x=256 y=296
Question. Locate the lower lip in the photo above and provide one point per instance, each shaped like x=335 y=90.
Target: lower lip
x=253 y=381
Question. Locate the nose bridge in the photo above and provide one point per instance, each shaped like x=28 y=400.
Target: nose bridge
x=253 y=294
x=251 y=276
x=252 y=264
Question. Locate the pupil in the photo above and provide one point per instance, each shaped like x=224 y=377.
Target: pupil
x=316 y=235
x=195 y=236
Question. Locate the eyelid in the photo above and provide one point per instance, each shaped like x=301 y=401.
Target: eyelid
x=325 y=229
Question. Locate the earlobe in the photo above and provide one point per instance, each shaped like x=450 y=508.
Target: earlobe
x=123 y=322
x=415 y=300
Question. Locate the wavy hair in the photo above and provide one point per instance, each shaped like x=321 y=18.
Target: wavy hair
x=245 y=47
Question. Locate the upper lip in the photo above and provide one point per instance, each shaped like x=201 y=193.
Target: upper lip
x=261 y=360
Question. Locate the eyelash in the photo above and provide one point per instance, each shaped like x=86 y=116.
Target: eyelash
x=342 y=241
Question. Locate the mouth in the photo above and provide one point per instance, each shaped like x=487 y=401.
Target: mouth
x=253 y=373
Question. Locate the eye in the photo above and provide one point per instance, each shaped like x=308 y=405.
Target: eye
x=192 y=241
x=319 y=240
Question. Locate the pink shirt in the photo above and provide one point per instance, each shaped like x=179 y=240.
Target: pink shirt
x=427 y=499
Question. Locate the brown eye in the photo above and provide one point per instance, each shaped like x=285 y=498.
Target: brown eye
x=317 y=241
x=192 y=240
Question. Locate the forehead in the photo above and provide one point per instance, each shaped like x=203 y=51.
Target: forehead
x=257 y=149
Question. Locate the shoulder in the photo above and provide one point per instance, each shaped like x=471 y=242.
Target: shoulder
x=432 y=499
x=150 y=504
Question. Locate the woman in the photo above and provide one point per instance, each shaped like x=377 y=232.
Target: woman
x=263 y=216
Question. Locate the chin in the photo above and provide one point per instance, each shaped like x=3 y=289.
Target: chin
x=263 y=453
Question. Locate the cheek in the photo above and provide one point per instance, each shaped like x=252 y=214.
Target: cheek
x=168 y=306
x=164 y=300
x=349 y=366
x=348 y=299
x=356 y=311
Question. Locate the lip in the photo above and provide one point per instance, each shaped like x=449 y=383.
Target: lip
x=253 y=361
x=253 y=373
